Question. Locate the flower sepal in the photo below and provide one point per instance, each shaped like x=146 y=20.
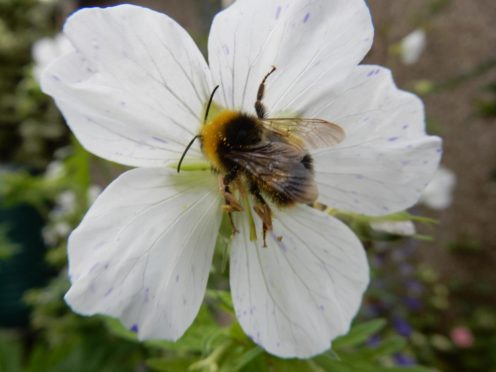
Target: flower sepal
x=384 y=228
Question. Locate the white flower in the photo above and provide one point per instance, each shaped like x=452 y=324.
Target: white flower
x=47 y=50
x=134 y=92
x=66 y=202
x=49 y=235
x=55 y=231
x=55 y=170
x=412 y=46
x=439 y=192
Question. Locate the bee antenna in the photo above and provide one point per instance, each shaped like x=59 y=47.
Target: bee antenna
x=210 y=103
x=185 y=151
x=198 y=135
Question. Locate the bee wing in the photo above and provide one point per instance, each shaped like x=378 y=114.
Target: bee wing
x=316 y=133
x=280 y=168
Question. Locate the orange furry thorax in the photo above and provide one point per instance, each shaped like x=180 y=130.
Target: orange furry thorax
x=213 y=133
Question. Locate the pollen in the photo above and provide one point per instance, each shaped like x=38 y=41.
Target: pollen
x=213 y=133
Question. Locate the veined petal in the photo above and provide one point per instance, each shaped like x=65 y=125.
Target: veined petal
x=386 y=159
x=143 y=251
x=307 y=41
x=369 y=106
x=296 y=295
x=134 y=91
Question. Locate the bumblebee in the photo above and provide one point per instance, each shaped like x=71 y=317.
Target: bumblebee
x=265 y=157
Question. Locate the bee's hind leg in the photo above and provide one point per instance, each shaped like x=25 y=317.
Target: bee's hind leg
x=259 y=106
x=231 y=204
x=263 y=210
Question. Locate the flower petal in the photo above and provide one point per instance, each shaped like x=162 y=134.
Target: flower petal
x=143 y=252
x=386 y=159
x=296 y=295
x=307 y=41
x=134 y=91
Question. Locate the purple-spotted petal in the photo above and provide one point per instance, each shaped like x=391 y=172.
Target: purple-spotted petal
x=143 y=252
x=301 y=291
x=307 y=41
x=134 y=90
x=386 y=159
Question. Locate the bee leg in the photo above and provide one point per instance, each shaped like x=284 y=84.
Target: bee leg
x=259 y=106
x=319 y=206
x=231 y=222
x=264 y=212
x=231 y=203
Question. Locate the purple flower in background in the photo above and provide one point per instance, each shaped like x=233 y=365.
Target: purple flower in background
x=374 y=341
x=412 y=303
x=403 y=360
x=402 y=327
x=414 y=287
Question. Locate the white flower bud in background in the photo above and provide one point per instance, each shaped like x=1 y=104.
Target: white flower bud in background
x=62 y=229
x=66 y=202
x=54 y=170
x=47 y=50
x=49 y=235
x=439 y=192
x=412 y=46
x=55 y=232
x=63 y=152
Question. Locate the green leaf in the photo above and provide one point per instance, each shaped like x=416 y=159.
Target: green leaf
x=224 y=297
x=10 y=352
x=369 y=355
x=359 y=333
x=387 y=347
x=367 y=366
x=117 y=328
x=405 y=369
x=237 y=333
x=327 y=360
x=170 y=364
x=235 y=360
x=295 y=365
x=7 y=248
x=200 y=336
